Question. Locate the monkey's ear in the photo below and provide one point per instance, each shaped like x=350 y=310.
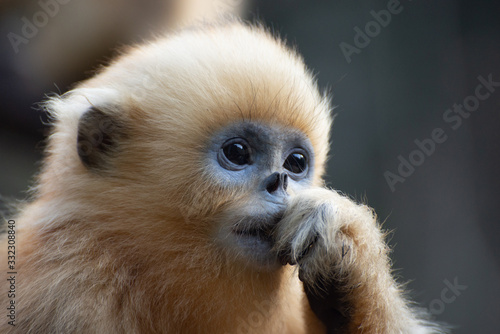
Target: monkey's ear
x=98 y=138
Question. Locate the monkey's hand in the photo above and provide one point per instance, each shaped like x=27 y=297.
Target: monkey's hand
x=344 y=265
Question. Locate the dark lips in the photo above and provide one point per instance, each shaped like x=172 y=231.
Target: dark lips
x=261 y=228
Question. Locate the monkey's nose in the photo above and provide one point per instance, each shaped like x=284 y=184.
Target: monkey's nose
x=276 y=181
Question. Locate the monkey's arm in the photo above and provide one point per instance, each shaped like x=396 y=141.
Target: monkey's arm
x=344 y=264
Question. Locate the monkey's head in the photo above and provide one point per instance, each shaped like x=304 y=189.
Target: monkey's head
x=206 y=133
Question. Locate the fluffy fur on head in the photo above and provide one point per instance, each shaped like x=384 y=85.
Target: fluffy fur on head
x=171 y=94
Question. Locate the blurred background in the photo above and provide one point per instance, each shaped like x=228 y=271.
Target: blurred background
x=416 y=85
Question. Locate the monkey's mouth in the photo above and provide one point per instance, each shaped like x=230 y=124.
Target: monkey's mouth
x=255 y=240
x=258 y=228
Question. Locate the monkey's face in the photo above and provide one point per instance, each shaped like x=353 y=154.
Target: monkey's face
x=261 y=165
x=212 y=132
x=228 y=186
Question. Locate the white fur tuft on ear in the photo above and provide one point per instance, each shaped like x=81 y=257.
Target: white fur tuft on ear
x=77 y=101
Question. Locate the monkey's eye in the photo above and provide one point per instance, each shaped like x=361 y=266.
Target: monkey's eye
x=296 y=162
x=235 y=154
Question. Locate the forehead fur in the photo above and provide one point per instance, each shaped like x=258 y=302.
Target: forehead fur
x=198 y=80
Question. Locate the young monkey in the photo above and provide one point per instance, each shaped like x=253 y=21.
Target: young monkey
x=182 y=192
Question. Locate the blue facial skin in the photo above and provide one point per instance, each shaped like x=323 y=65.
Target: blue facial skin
x=264 y=162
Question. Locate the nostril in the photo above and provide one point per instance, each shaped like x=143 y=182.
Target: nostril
x=273 y=183
x=276 y=181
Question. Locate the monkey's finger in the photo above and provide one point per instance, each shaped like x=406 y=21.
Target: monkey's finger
x=326 y=301
x=293 y=257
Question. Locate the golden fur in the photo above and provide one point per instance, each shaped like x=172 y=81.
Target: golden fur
x=130 y=249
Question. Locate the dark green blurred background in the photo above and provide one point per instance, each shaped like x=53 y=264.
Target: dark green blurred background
x=394 y=91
